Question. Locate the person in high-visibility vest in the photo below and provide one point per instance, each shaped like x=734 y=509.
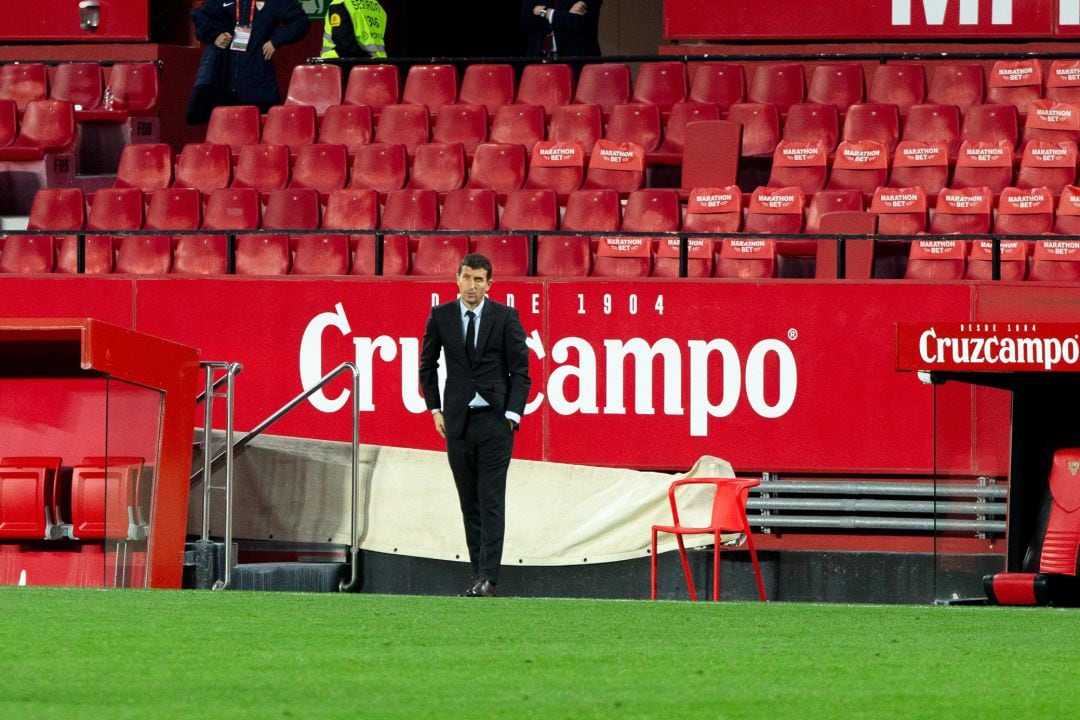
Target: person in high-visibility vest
x=354 y=29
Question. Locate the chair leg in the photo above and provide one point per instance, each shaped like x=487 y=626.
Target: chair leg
x=716 y=568
x=754 y=560
x=686 y=567
x=652 y=563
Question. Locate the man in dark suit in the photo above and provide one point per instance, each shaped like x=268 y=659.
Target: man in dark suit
x=487 y=385
x=561 y=28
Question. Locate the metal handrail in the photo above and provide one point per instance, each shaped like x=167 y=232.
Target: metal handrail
x=231 y=447
x=207 y=397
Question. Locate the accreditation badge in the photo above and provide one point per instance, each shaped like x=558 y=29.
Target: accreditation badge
x=241 y=38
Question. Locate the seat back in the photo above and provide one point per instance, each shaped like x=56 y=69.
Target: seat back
x=563 y=256
x=813 y=122
x=262 y=166
x=497 y=166
x=204 y=166
x=9 y=122
x=923 y=164
x=430 y=85
x=461 y=123
x=1048 y=164
x=962 y=211
x=717 y=82
x=557 y=166
x=356 y=209
x=236 y=208
x=1063 y=81
x=25 y=254
x=962 y=85
x=713 y=210
x=799 y=164
x=991 y=123
x=518 y=124
x=548 y=86
x=595 y=210
x=623 y=257
x=934 y=123
x=292 y=209
x=1055 y=260
x=760 y=127
x=577 y=123
x=406 y=125
x=1051 y=120
x=135 y=87
x=57 y=209
x=290 y=125
x=603 y=84
x=775 y=210
x=840 y=85
x=490 y=85
x=936 y=260
x=23 y=83
x=828 y=201
x=661 y=84
x=379 y=166
x=48 y=125
x=984 y=164
x=321 y=166
x=524 y=210
x=699 y=257
x=619 y=166
x=901 y=84
x=1013 y=255
x=348 y=125
x=410 y=209
x=862 y=165
x=116 y=208
x=1015 y=82
x=316 y=85
x=901 y=210
x=873 y=121
x=780 y=84
x=80 y=83
x=438 y=166
x=177 y=208
x=681 y=114
x=373 y=85
x=147 y=166
x=1062 y=538
x=746 y=258
x=235 y=126
x=636 y=123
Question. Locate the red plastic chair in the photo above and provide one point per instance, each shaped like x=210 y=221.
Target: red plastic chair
x=490 y=85
x=964 y=211
x=47 y=126
x=1063 y=81
x=24 y=83
x=438 y=166
x=431 y=85
x=1051 y=120
x=1055 y=261
x=536 y=210
x=461 y=123
x=635 y=122
x=320 y=166
x=873 y=121
x=564 y=177
x=382 y=167
x=1015 y=82
x=595 y=210
x=170 y=209
x=813 y=122
x=80 y=83
x=721 y=83
x=373 y=85
x=901 y=84
x=746 y=259
x=146 y=166
x=840 y=85
x=660 y=83
x=410 y=209
x=780 y=84
x=800 y=164
x=563 y=256
x=934 y=123
x=469 y=210
x=990 y=123
x=28 y=486
x=670 y=151
x=135 y=88
x=204 y=166
x=603 y=84
x=263 y=166
x=405 y=124
x=110 y=209
x=316 y=85
x=828 y=201
x=936 y=260
x=499 y=167
x=624 y=176
x=57 y=209
x=348 y=125
x=104 y=497
x=291 y=125
x=578 y=123
x=356 y=209
x=980 y=164
x=923 y=164
x=862 y=165
x=518 y=124
x=1048 y=164
x=760 y=127
x=548 y=86
x=728 y=516
x=235 y=126
x=960 y=85
x=226 y=209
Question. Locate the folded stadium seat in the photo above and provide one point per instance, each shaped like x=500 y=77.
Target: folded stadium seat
x=286 y=209
x=490 y=85
x=656 y=210
x=592 y=211
x=577 y=123
x=828 y=201
x=619 y=166
x=47 y=127
x=497 y=166
x=358 y=209
x=623 y=257
x=1051 y=120
x=460 y=123
x=438 y=166
x=24 y=83
x=980 y=262
x=9 y=122
x=1055 y=542
x=382 y=167
x=28 y=486
x=262 y=166
x=439 y=255
x=262 y=254
x=635 y=123
x=812 y=122
x=235 y=126
x=900 y=210
x=717 y=82
x=80 y=83
x=373 y=85
x=56 y=209
x=980 y=164
x=1056 y=260
x=320 y=166
x=603 y=84
x=760 y=127
x=713 y=210
x=410 y=209
x=861 y=165
x=536 y=210
x=873 y=121
x=26 y=254
x=1024 y=212
x=962 y=85
x=661 y=83
x=780 y=84
x=104 y=497
x=670 y=151
x=563 y=256
x=430 y=85
x=557 y=166
x=316 y=85
x=290 y=125
x=518 y=124
x=116 y=208
x=934 y=123
x=965 y=211
x=802 y=164
x=406 y=125
x=203 y=166
x=464 y=209
x=746 y=258
x=711 y=156
x=226 y=209
x=169 y=209
x=1063 y=81
x=840 y=85
x=348 y=125
x=936 y=260
x=549 y=86
x=900 y=84
x=1049 y=164
x=699 y=257
x=1067 y=218
x=1015 y=82
x=148 y=167
x=923 y=164
x=320 y=255
x=991 y=123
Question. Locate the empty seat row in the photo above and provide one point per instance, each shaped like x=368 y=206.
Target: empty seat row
x=40 y=499
x=133 y=88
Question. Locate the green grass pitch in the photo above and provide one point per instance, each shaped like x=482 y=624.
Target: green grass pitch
x=74 y=653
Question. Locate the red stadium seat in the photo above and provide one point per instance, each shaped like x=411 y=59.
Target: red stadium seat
x=1063 y=81
x=135 y=88
x=934 y=123
x=320 y=255
x=964 y=211
x=623 y=257
x=490 y=85
x=779 y=84
x=699 y=257
x=900 y=84
x=395 y=255
x=226 y=209
x=380 y=166
x=358 y=209
x=635 y=123
x=286 y=209
x=671 y=151
x=28 y=489
x=577 y=123
x=499 y=167
x=53 y=209
x=923 y=164
x=47 y=127
x=873 y=121
x=410 y=209
x=714 y=82
x=110 y=209
x=760 y=127
x=518 y=124
x=148 y=167
x=714 y=210
x=170 y=209
x=661 y=84
x=439 y=255
x=373 y=85
x=840 y=85
x=292 y=209
x=557 y=166
x=460 y=123
x=524 y=210
x=9 y=122
x=203 y=166
x=900 y=210
x=1048 y=164
x=1055 y=260
x=549 y=86
x=1052 y=120
x=430 y=85
x=291 y=125
x=728 y=515
x=316 y=85
x=802 y=164
x=603 y=84
x=592 y=211
x=104 y=497
x=200 y=255
x=321 y=166
x=80 y=83
x=563 y=256
x=1024 y=212
x=26 y=254
x=348 y=125
x=1015 y=82
x=1067 y=219
x=438 y=166
x=862 y=166
x=991 y=123
x=24 y=83
x=936 y=260
x=746 y=258
x=619 y=166
x=655 y=210
x=962 y=85
x=235 y=126
x=980 y=164
x=404 y=124
x=828 y=201
x=262 y=166
x=775 y=210
x=1014 y=260
x=461 y=210
x=811 y=122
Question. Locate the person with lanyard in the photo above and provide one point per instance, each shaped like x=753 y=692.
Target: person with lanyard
x=247 y=33
x=561 y=28
x=354 y=29
x=483 y=346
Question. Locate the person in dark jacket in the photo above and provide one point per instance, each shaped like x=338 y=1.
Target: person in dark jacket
x=244 y=35
x=561 y=28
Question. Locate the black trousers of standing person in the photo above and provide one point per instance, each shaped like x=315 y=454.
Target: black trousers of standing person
x=479 y=461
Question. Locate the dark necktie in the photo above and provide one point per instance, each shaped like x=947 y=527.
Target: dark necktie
x=470 y=335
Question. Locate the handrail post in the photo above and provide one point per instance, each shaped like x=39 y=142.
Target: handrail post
x=208 y=421
x=230 y=406
x=354 y=540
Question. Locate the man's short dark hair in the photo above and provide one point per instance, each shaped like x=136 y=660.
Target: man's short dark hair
x=475 y=261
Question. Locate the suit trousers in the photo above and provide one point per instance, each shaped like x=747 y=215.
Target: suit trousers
x=479 y=461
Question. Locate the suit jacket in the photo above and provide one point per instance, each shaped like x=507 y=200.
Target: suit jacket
x=499 y=371
x=575 y=35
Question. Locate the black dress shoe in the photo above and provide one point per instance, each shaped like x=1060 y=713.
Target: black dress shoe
x=482 y=588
